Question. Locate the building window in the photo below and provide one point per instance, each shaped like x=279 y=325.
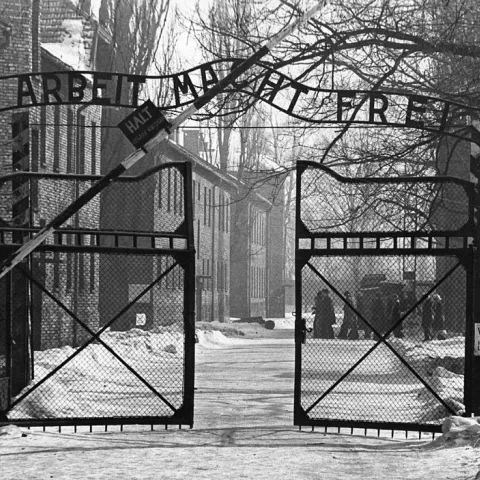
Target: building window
x=92 y=273
x=262 y=231
x=160 y=270
x=179 y=270
x=175 y=191
x=181 y=191
x=56 y=139
x=43 y=136
x=169 y=277
x=169 y=189
x=70 y=143
x=227 y=216
x=160 y=188
x=56 y=270
x=94 y=148
x=210 y=207
x=35 y=160
x=204 y=205
x=69 y=276
x=81 y=272
x=81 y=145
x=225 y=271
x=198 y=238
x=220 y=211
x=251 y=281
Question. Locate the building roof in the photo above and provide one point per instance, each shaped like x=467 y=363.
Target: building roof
x=215 y=175
x=67 y=33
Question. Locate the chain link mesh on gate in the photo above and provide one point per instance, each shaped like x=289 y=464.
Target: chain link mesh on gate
x=112 y=299
x=382 y=287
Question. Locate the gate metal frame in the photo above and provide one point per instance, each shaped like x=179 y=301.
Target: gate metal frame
x=184 y=256
x=467 y=255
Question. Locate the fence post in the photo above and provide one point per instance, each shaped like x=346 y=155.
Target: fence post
x=472 y=338
x=475 y=338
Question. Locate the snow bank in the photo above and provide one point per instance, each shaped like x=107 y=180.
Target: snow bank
x=441 y=364
x=426 y=357
x=93 y=379
x=96 y=371
x=459 y=431
x=213 y=339
x=9 y=432
x=449 y=387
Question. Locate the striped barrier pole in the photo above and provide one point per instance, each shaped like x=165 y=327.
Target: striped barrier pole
x=21 y=186
x=132 y=159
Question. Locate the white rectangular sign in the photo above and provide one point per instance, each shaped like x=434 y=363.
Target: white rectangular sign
x=141 y=320
x=476 y=339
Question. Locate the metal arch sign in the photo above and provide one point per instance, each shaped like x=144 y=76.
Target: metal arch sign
x=360 y=107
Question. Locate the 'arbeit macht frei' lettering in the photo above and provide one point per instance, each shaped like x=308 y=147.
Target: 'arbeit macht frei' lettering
x=285 y=94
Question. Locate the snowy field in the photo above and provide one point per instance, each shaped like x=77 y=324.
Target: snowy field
x=96 y=384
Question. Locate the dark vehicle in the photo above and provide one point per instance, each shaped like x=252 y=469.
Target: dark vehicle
x=375 y=301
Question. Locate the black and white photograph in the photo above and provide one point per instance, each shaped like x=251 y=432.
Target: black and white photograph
x=239 y=239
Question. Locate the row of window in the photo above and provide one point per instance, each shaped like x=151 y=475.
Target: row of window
x=75 y=135
x=257 y=282
x=171 y=191
x=257 y=232
x=64 y=277
x=171 y=198
x=174 y=280
x=221 y=274
x=208 y=206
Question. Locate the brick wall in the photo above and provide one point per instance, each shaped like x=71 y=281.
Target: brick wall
x=211 y=225
x=63 y=139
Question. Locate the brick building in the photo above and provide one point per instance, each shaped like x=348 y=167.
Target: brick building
x=239 y=270
x=54 y=137
x=239 y=239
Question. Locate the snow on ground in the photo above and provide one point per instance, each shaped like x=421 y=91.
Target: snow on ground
x=256 y=451
x=93 y=379
x=440 y=362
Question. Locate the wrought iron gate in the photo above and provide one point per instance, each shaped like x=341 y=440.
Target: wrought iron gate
x=385 y=285
x=99 y=323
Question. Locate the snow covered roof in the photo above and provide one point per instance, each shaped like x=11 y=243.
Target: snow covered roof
x=71 y=50
x=67 y=32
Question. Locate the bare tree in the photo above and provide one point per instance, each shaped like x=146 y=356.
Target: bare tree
x=137 y=28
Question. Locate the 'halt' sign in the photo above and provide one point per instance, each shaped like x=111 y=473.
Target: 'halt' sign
x=143 y=124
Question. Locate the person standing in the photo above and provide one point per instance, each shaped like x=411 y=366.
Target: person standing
x=363 y=314
x=438 y=317
x=349 y=328
x=317 y=308
x=395 y=317
x=427 y=319
x=378 y=315
x=324 y=316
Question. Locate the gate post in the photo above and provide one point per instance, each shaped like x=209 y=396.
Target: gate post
x=475 y=377
x=19 y=331
x=472 y=334
x=473 y=349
